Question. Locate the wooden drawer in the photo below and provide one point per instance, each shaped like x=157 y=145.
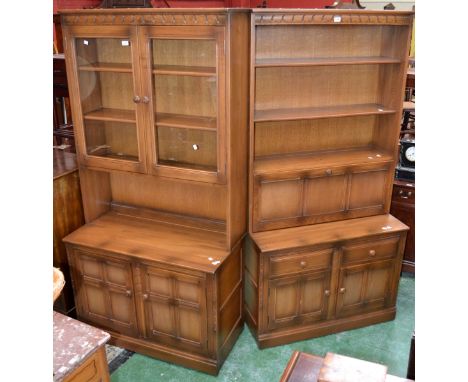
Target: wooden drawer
x=303 y=262
x=371 y=250
x=403 y=194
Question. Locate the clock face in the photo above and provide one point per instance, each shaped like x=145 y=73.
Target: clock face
x=410 y=154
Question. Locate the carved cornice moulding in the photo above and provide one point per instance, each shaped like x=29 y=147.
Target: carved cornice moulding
x=337 y=18
x=179 y=19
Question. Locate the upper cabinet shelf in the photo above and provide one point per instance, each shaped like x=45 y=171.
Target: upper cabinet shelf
x=290 y=114
x=185 y=121
x=114 y=115
x=195 y=71
x=324 y=61
x=107 y=67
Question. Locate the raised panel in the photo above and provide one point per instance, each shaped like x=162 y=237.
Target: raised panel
x=283 y=301
x=325 y=195
x=367 y=189
x=95 y=299
x=117 y=273
x=189 y=324
x=313 y=295
x=161 y=318
x=122 y=308
x=160 y=284
x=378 y=281
x=91 y=267
x=353 y=282
x=280 y=199
x=188 y=289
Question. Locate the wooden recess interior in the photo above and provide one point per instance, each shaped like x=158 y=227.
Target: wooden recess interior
x=160 y=114
x=326 y=93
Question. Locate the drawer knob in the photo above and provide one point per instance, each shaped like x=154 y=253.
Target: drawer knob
x=303 y=264
x=342 y=290
x=128 y=292
x=409 y=193
x=400 y=192
x=328 y=171
x=327 y=292
x=372 y=253
x=145 y=296
x=145 y=99
x=137 y=99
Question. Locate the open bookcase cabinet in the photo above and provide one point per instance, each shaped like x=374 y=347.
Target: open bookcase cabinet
x=326 y=93
x=160 y=115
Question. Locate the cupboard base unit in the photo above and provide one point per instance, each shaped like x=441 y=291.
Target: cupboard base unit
x=168 y=290
x=310 y=281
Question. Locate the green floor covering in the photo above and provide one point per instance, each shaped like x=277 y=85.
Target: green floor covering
x=386 y=343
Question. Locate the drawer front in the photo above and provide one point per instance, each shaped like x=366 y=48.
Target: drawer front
x=293 y=263
x=371 y=250
x=403 y=194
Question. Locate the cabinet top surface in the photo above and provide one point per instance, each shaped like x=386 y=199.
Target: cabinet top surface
x=329 y=11
x=305 y=236
x=73 y=342
x=150 y=240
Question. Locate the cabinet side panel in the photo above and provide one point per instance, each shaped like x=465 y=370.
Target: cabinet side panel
x=96 y=192
x=181 y=197
x=229 y=286
x=237 y=93
x=251 y=267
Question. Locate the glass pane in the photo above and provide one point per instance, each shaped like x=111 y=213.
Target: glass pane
x=106 y=92
x=185 y=93
x=111 y=139
x=187 y=148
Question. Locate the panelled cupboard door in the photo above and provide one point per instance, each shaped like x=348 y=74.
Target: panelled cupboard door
x=105 y=292
x=364 y=287
x=174 y=308
x=318 y=196
x=184 y=78
x=298 y=299
x=108 y=111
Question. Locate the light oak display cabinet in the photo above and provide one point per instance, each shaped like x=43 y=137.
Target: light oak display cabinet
x=326 y=93
x=160 y=114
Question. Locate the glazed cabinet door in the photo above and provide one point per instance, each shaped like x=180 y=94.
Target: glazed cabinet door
x=184 y=74
x=298 y=299
x=104 y=292
x=107 y=105
x=364 y=287
x=174 y=306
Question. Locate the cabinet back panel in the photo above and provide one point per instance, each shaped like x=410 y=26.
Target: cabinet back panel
x=117 y=90
x=184 y=52
x=304 y=41
x=103 y=50
x=313 y=135
x=186 y=95
x=176 y=145
x=186 y=198
x=298 y=87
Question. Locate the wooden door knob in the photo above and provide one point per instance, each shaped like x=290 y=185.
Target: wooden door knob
x=145 y=296
x=372 y=253
x=328 y=171
x=342 y=290
x=327 y=292
x=145 y=99
x=303 y=264
x=137 y=99
x=128 y=292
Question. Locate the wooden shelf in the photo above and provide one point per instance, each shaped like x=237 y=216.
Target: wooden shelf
x=324 y=61
x=185 y=121
x=107 y=67
x=308 y=161
x=196 y=71
x=146 y=239
x=115 y=115
x=320 y=112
